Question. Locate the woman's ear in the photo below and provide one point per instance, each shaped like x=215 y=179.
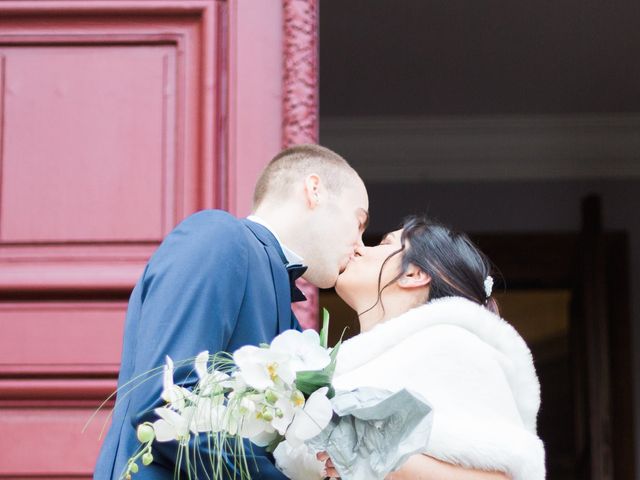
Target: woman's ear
x=414 y=277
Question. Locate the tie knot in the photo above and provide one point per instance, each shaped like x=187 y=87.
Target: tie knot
x=295 y=271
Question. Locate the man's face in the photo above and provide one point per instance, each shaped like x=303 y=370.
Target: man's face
x=340 y=222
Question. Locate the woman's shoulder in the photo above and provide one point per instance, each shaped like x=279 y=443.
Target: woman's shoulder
x=449 y=311
x=456 y=322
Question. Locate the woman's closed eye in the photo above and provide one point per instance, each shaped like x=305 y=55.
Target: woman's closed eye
x=385 y=240
x=388 y=239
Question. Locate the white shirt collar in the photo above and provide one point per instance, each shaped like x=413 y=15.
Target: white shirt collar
x=292 y=257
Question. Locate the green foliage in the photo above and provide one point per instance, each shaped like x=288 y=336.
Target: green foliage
x=324 y=331
x=310 y=381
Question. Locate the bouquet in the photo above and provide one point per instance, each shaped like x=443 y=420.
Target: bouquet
x=279 y=396
x=264 y=394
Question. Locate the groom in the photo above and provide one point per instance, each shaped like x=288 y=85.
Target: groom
x=217 y=282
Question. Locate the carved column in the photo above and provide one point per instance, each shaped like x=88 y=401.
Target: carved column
x=300 y=105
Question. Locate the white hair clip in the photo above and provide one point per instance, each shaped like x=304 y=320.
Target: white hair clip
x=488 y=285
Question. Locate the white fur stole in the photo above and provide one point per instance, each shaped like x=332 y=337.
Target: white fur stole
x=475 y=371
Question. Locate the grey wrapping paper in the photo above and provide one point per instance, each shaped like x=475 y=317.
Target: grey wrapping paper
x=374 y=431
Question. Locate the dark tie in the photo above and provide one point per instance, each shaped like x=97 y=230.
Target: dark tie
x=295 y=271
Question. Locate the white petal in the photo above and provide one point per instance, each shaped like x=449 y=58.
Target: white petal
x=219 y=376
x=209 y=416
x=177 y=396
x=217 y=418
x=316 y=358
x=245 y=354
x=164 y=431
x=172 y=425
x=263 y=438
x=250 y=425
x=188 y=422
x=287 y=342
x=167 y=377
x=252 y=367
x=247 y=404
x=288 y=411
x=169 y=415
x=231 y=423
x=201 y=364
x=256 y=376
x=210 y=382
x=309 y=422
x=298 y=463
x=311 y=336
x=254 y=364
x=179 y=423
x=287 y=373
x=304 y=349
x=280 y=424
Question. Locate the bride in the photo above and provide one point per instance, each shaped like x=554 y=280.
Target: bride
x=430 y=324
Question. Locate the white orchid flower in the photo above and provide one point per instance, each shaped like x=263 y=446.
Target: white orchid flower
x=253 y=426
x=175 y=395
x=247 y=417
x=173 y=425
x=209 y=382
x=310 y=420
x=250 y=416
x=210 y=414
x=260 y=367
x=304 y=349
x=202 y=359
x=286 y=410
x=298 y=463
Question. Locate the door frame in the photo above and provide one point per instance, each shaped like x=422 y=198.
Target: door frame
x=555 y=261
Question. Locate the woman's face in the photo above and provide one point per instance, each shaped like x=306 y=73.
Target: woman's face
x=358 y=284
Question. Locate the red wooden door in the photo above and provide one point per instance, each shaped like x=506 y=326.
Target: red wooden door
x=117 y=120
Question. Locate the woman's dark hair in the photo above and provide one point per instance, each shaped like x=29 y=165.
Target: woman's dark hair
x=456 y=266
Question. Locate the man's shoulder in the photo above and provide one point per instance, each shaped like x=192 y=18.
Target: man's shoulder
x=213 y=233
x=214 y=219
x=213 y=224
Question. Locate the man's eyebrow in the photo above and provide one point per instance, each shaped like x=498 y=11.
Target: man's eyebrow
x=365 y=223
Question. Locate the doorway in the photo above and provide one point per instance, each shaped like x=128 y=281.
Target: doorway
x=545 y=289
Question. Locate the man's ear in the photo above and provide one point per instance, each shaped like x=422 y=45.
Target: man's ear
x=312 y=188
x=414 y=277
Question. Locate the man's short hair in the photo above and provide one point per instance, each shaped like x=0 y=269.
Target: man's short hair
x=278 y=178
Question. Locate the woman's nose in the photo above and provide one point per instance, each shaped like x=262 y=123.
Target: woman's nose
x=359 y=250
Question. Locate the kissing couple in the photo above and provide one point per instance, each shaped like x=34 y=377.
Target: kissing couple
x=423 y=296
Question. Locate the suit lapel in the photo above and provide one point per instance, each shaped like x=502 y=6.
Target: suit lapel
x=279 y=274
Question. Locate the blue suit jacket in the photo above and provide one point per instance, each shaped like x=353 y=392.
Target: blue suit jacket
x=215 y=283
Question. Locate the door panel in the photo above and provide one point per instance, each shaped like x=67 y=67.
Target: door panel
x=117 y=120
x=104 y=148
x=89 y=128
x=62 y=449
x=88 y=337
x=107 y=115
